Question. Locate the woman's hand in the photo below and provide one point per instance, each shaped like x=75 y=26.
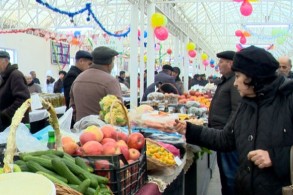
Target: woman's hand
x=260 y=158
x=180 y=126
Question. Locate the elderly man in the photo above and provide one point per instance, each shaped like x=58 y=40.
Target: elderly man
x=223 y=106
x=13 y=90
x=94 y=83
x=285 y=67
x=83 y=60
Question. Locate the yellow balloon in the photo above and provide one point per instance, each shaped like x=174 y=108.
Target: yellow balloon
x=157 y=20
x=253 y=1
x=190 y=46
x=204 y=56
x=145 y=58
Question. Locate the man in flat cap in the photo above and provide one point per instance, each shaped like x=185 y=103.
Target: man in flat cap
x=223 y=106
x=83 y=60
x=285 y=67
x=95 y=83
x=13 y=90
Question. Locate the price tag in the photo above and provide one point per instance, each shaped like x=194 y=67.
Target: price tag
x=36 y=102
x=178 y=161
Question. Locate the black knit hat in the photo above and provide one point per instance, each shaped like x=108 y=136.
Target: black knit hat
x=255 y=62
x=103 y=55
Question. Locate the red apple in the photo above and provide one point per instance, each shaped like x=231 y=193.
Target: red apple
x=111 y=148
x=130 y=161
x=108 y=131
x=136 y=140
x=134 y=154
x=125 y=152
x=122 y=136
x=106 y=140
x=92 y=148
x=86 y=137
x=102 y=164
x=121 y=143
x=78 y=152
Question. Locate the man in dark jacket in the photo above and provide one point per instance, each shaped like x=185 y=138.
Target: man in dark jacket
x=83 y=60
x=13 y=90
x=58 y=85
x=261 y=130
x=223 y=106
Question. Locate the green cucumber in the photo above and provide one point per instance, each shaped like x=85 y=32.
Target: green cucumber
x=39 y=153
x=20 y=162
x=80 y=162
x=42 y=161
x=68 y=157
x=52 y=178
x=61 y=168
x=35 y=167
x=84 y=186
x=90 y=191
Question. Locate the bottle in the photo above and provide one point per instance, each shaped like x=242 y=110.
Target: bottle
x=51 y=140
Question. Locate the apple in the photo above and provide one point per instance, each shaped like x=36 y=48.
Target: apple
x=134 y=154
x=86 y=137
x=121 y=143
x=78 y=152
x=66 y=139
x=92 y=148
x=125 y=152
x=122 y=136
x=111 y=148
x=108 y=131
x=130 y=161
x=95 y=130
x=102 y=165
x=106 y=140
x=136 y=140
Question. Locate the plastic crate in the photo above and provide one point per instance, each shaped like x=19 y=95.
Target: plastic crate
x=123 y=180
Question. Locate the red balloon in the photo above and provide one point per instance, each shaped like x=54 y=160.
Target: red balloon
x=238 y=33
x=161 y=33
x=169 y=51
x=192 y=53
x=243 y=40
x=246 y=8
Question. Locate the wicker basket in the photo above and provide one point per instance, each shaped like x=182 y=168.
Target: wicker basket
x=64 y=190
x=154 y=164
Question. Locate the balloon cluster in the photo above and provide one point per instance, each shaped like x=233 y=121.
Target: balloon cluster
x=190 y=47
x=246 y=7
x=242 y=35
x=212 y=63
x=158 y=22
x=204 y=58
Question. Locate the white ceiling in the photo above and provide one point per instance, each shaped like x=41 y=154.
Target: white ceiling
x=211 y=24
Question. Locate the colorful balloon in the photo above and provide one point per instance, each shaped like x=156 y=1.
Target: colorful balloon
x=169 y=51
x=205 y=62
x=77 y=34
x=161 y=33
x=246 y=8
x=145 y=34
x=145 y=58
x=204 y=56
x=157 y=20
x=238 y=33
x=192 y=53
x=246 y=34
x=243 y=40
x=190 y=46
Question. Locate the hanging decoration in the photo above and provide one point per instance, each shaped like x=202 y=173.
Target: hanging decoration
x=190 y=47
x=212 y=63
x=169 y=51
x=158 y=22
x=90 y=13
x=242 y=35
x=246 y=7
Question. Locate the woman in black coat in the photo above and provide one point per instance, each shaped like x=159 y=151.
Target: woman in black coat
x=262 y=128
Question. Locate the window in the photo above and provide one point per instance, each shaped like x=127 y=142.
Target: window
x=12 y=53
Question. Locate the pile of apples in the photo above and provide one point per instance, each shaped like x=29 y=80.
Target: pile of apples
x=105 y=140
x=203 y=98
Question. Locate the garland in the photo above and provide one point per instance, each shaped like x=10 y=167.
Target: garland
x=90 y=13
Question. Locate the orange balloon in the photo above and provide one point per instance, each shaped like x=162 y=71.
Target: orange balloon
x=246 y=34
x=75 y=41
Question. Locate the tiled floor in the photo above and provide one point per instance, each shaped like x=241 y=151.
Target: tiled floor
x=214 y=187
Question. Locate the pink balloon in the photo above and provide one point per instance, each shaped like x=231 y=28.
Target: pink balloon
x=192 y=53
x=161 y=33
x=246 y=8
x=243 y=40
x=157 y=46
x=138 y=33
x=238 y=33
x=205 y=62
x=238 y=47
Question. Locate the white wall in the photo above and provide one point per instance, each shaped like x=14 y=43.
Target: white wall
x=33 y=53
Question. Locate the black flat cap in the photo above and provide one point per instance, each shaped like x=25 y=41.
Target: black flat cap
x=167 y=67
x=255 y=62
x=229 y=55
x=83 y=54
x=4 y=54
x=103 y=55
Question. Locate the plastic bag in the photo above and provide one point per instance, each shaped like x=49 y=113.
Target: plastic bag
x=65 y=120
x=25 y=142
x=87 y=121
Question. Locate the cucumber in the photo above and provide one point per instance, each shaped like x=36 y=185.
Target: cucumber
x=39 y=153
x=42 y=161
x=80 y=162
x=74 y=186
x=20 y=162
x=103 y=191
x=52 y=178
x=90 y=191
x=52 y=156
x=81 y=172
x=35 y=167
x=84 y=186
x=24 y=168
x=68 y=157
x=63 y=170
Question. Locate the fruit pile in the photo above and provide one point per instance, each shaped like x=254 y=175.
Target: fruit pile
x=158 y=152
x=65 y=170
x=117 y=114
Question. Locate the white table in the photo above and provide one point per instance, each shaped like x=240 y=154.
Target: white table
x=37 y=115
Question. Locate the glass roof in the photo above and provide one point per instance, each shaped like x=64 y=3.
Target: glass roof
x=213 y=22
